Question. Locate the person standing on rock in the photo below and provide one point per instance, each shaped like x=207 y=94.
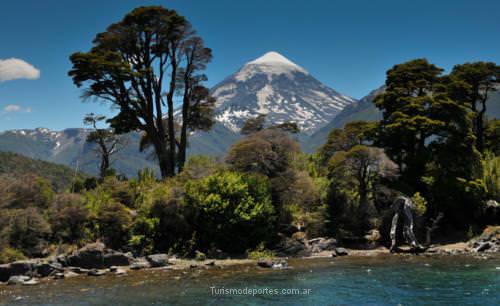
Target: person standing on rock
x=402 y=207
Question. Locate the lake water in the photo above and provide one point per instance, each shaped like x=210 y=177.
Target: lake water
x=381 y=280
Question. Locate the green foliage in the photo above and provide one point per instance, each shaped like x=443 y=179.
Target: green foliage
x=17 y=166
x=492 y=136
x=420 y=204
x=491 y=176
x=268 y=152
x=28 y=231
x=232 y=210
x=473 y=83
x=8 y=254
x=260 y=251
x=68 y=218
x=113 y=223
x=426 y=122
x=129 y=66
x=200 y=256
x=198 y=167
x=143 y=233
x=354 y=133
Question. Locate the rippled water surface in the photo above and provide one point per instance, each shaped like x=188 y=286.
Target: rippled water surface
x=386 y=280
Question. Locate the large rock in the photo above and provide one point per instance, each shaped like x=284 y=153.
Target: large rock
x=114 y=258
x=265 y=263
x=488 y=241
x=157 y=260
x=17 y=279
x=322 y=244
x=341 y=252
x=90 y=256
x=96 y=256
x=140 y=263
x=31 y=282
x=44 y=269
x=292 y=247
x=275 y=264
x=95 y=272
x=15 y=268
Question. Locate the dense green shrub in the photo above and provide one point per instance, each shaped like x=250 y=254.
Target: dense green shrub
x=28 y=231
x=232 y=210
x=8 y=254
x=68 y=218
x=491 y=176
x=113 y=223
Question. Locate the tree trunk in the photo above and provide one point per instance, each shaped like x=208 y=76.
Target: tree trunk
x=480 y=127
x=171 y=127
x=164 y=161
x=184 y=134
x=104 y=164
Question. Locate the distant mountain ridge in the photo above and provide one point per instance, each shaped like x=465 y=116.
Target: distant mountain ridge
x=16 y=166
x=270 y=85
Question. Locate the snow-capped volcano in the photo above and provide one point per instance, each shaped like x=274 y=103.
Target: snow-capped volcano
x=275 y=86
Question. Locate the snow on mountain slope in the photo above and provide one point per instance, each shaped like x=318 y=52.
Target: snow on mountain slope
x=279 y=88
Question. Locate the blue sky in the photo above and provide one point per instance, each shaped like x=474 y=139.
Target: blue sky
x=348 y=45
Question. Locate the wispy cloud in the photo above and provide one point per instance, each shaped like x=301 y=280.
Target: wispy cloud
x=14 y=108
x=14 y=68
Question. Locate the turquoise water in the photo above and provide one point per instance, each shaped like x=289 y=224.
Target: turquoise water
x=387 y=280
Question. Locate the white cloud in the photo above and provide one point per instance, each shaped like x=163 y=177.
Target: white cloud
x=13 y=68
x=14 y=108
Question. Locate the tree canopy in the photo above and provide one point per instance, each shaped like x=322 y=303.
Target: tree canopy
x=141 y=64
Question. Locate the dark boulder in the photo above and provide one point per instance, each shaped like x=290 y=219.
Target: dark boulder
x=341 y=252
x=265 y=263
x=44 y=269
x=114 y=258
x=97 y=256
x=15 y=268
x=292 y=247
x=89 y=257
x=483 y=247
x=322 y=244
x=275 y=264
x=157 y=260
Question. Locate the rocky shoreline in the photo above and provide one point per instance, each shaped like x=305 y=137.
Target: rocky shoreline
x=96 y=260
